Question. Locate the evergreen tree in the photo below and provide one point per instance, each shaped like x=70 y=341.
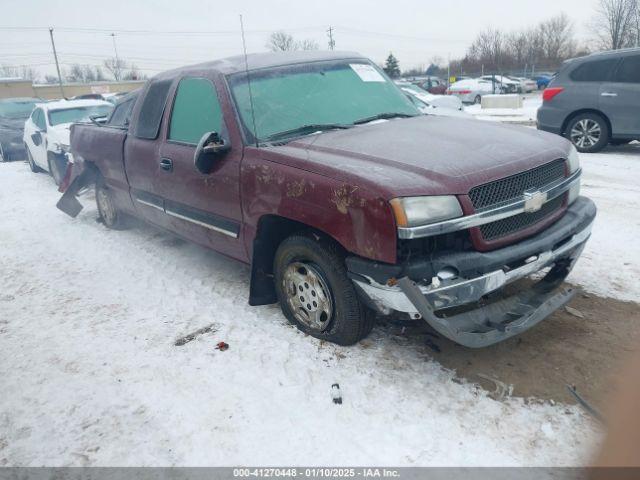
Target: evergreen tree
x=391 y=66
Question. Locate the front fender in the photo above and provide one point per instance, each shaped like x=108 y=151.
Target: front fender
x=354 y=217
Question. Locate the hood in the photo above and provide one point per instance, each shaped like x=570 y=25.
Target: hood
x=59 y=134
x=424 y=155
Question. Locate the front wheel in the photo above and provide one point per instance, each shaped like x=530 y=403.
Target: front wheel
x=107 y=210
x=57 y=168
x=589 y=132
x=315 y=293
x=32 y=164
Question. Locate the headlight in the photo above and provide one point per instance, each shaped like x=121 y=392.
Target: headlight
x=573 y=160
x=414 y=211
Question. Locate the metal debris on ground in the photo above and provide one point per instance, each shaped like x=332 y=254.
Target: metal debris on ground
x=502 y=389
x=222 y=346
x=335 y=394
x=575 y=312
x=584 y=404
x=192 y=336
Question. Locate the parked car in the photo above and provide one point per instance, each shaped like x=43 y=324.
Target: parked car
x=595 y=100
x=470 y=90
x=13 y=113
x=46 y=132
x=542 y=81
x=527 y=85
x=504 y=84
x=343 y=198
x=440 y=105
x=433 y=85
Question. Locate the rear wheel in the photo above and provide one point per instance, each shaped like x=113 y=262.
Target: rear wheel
x=315 y=293
x=107 y=210
x=589 y=132
x=477 y=100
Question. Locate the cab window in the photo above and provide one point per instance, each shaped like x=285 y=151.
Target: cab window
x=152 y=109
x=196 y=111
x=629 y=70
x=38 y=119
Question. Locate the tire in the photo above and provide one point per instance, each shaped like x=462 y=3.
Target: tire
x=588 y=132
x=3 y=157
x=309 y=269
x=55 y=170
x=477 y=100
x=32 y=165
x=108 y=213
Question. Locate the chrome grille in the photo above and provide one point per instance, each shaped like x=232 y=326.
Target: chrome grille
x=509 y=225
x=513 y=187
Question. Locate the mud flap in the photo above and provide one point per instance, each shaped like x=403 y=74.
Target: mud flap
x=68 y=203
x=492 y=323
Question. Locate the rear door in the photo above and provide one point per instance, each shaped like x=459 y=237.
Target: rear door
x=203 y=208
x=142 y=151
x=620 y=98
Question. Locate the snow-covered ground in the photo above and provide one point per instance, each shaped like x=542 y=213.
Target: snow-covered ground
x=525 y=115
x=90 y=375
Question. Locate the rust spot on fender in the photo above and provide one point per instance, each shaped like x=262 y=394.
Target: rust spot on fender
x=343 y=198
x=295 y=189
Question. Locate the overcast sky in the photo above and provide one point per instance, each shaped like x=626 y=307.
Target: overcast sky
x=161 y=33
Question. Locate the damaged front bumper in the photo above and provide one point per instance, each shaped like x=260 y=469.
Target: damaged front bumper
x=472 y=307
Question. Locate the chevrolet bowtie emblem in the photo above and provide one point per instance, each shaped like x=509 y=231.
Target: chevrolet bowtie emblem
x=534 y=200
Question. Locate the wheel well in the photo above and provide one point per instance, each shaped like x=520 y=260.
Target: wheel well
x=271 y=231
x=586 y=110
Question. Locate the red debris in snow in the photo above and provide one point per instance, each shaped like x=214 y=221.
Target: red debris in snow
x=222 y=346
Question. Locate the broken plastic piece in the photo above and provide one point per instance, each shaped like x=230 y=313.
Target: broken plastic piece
x=222 y=346
x=335 y=394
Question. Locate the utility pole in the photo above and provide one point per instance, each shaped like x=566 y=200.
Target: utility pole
x=332 y=42
x=55 y=55
x=116 y=70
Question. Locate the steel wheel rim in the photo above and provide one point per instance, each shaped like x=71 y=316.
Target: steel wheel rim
x=308 y=295
x=107 y=211
x=586 y=133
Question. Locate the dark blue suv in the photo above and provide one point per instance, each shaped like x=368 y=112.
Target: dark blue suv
x=595 y=100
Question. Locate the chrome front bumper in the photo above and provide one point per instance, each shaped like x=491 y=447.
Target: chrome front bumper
x=483 y=322
x=447 y=294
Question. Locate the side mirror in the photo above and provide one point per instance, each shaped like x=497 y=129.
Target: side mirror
x=210 y=147
x=37 y=138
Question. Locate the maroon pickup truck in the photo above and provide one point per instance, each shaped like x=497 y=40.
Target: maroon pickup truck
x=315 y=169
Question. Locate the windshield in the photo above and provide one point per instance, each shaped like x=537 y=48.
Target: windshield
x=19 y=109
x=286 y=99
x=78 y=114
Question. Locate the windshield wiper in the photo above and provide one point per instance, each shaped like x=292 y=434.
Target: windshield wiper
x=383 y=116
x=305 y=130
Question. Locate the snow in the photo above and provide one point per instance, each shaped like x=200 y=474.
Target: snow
x=610 y=263
x=90 y=375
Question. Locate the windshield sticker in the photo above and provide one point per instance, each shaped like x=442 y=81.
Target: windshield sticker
x=366 y=72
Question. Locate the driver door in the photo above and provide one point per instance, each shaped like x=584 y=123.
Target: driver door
x=35 y=137
x=202 y=207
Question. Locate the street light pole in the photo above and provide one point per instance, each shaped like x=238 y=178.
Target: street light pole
x=55 y=55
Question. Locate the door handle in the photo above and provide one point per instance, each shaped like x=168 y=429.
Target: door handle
x=609 y=94
x=166 y=164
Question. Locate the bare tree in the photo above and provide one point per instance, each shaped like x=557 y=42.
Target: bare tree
x=281 y=42
x=616 y=23
x=115 y=66
x=307 y=44
x=557 y=38
x=22 y=71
